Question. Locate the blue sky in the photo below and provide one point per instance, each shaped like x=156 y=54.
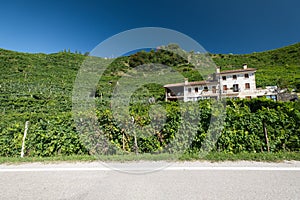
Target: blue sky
x=220 y=26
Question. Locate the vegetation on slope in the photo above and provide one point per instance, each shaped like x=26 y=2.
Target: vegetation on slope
x=274 y=67
x=38 y=88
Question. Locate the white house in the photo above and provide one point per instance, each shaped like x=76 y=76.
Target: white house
x=238 y=83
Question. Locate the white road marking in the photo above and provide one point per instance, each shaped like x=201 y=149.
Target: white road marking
x=58 y=169
x=236 y=168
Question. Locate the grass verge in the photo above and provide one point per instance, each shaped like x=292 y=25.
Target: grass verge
x=213 y=157
x=259 y=157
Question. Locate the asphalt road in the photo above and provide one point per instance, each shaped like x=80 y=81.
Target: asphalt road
x=151 y=180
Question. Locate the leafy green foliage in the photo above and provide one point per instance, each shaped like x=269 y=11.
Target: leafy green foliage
x=38 y=88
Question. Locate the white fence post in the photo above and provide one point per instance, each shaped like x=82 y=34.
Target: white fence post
x=24 y=137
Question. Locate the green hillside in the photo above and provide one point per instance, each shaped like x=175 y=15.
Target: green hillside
x=38 y=88
x=48 y=79
x=273 y=65
x=37 y=82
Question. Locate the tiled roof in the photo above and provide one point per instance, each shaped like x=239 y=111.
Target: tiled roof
x=189 y=84
x=237 y=71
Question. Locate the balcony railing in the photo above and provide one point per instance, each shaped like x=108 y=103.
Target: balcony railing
x=235 y=90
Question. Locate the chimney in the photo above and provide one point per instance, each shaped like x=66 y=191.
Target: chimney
x=186 y=81
x=245 y=66
x=218 y=70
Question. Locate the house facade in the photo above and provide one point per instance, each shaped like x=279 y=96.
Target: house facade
x=238 y=83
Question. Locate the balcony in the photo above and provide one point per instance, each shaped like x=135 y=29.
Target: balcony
x=203 y=93
x=175 y=98
x=171 y=96
x=231 y=91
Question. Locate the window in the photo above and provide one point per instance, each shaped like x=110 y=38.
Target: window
x=205 y=89
x=189 y=90
x=234 y=77
x=247 y=85
x=225 y=87
x=214 y=89
x=224 y=78
x=235 y=87
x=246 y=75
x=248 y=97
x=196 y=89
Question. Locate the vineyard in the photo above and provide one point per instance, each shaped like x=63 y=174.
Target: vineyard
x=38 y=88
